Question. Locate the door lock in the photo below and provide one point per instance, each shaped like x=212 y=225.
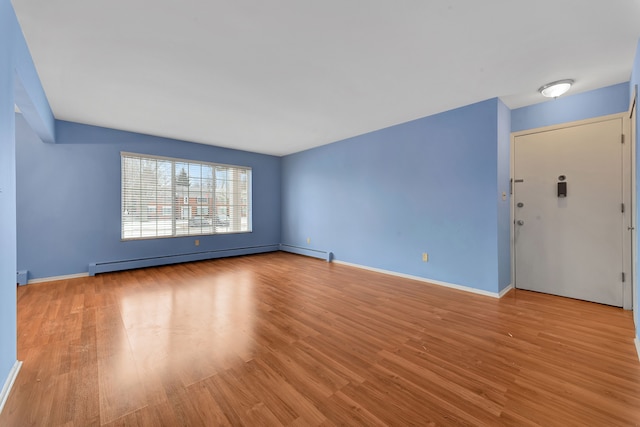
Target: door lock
x=520 y=222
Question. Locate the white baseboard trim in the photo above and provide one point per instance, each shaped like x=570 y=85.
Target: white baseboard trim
x=55 y=278
x=637 y=341
x=505 y=290
x=422 y=279
x=8 y=384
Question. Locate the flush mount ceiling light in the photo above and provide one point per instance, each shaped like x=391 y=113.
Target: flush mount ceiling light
x=555 y=89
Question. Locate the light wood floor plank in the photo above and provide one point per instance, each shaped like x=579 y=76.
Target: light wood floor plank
x=279 y=339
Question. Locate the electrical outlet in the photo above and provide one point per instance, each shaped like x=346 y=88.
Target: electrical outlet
x=197 y=242
x=308 y=240
x=425 y=257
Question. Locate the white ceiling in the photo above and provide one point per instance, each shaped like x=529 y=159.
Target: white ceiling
x=282 y=76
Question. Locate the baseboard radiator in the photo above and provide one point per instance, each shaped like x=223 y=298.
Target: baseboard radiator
x=22 y=277
x=109 y=266
x=315 y=253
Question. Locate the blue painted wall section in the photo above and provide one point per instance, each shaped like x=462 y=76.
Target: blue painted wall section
x=7 y=195
x=75 y=221
x=30 y=96
x=18 y=79
x=569 y=108
x=383 y=198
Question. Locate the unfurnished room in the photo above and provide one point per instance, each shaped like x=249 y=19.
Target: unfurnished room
x=326 y=213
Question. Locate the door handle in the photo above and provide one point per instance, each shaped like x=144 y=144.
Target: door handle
x=520 y=222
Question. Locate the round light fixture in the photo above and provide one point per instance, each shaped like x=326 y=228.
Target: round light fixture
x=555 y=89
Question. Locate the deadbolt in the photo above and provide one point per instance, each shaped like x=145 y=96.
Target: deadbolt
x=520 y=204
x=520 y=222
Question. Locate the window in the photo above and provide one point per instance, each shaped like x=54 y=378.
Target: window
x=195 y=197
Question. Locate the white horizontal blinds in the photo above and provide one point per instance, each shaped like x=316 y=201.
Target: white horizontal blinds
x=233 y=199
x=183 y=211
x=164 y=197
x=194 y=189
x=146 y=195
x=131 y=200
x=244 y=202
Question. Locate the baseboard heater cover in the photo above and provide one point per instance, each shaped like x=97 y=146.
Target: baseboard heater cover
x=22 y=277
x=109 y=266
x=315 y=253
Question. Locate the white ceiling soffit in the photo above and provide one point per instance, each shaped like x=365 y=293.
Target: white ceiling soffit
x=282 y=76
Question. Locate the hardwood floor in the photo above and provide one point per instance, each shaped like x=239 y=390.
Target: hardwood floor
x=280 y=339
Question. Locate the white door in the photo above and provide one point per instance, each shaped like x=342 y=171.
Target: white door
x=570 y=245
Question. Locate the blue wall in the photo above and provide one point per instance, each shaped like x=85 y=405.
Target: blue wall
x=69 y=198
x=19 y=84
x=30 y=96
x=7 y=195
x=383 y=198
x=569 y=108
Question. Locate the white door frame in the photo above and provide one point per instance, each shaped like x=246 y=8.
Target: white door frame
x=627 y=189
x=633 y=110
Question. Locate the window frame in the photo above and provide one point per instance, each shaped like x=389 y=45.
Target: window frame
x=177 y=207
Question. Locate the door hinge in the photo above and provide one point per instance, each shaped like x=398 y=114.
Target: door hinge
x=622 y=138
x=623 y=277
x=622 y=207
